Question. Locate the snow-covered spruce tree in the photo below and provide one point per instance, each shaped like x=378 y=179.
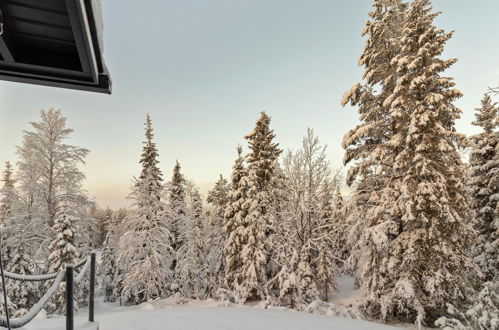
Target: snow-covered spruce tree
x=217 y=198
x=145 y=250
x=484 y=162
x=307 y=287
x=7 y=200
x=177 y=209
x=325 y=276
x=25 y=294
x=235 y=214
x=258 y=224
x=263 y=169
x=362 y=143
x=118 y=231
x=89 y=238
x=88 y=229
x=118 y=221
x=365 y=145
x=109 y=270
x=191 y=263
x=482 y=313
x=287 y=279
x=264 y=182
x=62 y=253
x=331 y=240
x=17 y=234
x=278 y=208
x=105 y=222
x=340 y=232
x=98 y=223
x=415 y=246
x=10 y=305
x=7 y=193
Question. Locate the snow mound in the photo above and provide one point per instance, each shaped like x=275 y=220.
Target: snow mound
x=42 y=315
x=147 y=307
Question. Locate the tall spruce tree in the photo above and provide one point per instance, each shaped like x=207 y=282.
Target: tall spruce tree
x=339 y=244
x=177 y=208
x=362 y=143
x=145 y=251
x=110 y=271
x=484 y=161
x=191 y=270
x=105 y=220
x=365 y=145
x=263 y=162
x=262 y=175
x=412 y=255
x=218 y=198
x=235 y=215
x=417 y=237
x=7 y=193
x=7 y=201
x=255 y=219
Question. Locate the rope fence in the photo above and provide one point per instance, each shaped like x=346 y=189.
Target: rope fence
x=28 y=317
x=58 y=277
x=39 y=278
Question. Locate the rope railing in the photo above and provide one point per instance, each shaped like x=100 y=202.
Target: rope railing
x=41 y=277
x=63 y=275
x=28 y=317
x=81 y=274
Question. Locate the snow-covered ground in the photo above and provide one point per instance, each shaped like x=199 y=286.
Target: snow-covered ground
x=210 y=315
x=204 y=315
x=348 y=294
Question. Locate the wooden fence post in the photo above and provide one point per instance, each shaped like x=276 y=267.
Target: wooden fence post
x=69 y=298
x=92 y=288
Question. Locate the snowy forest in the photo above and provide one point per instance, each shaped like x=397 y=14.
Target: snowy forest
x=412 y=216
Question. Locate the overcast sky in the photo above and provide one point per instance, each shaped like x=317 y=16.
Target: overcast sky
x=204 y=69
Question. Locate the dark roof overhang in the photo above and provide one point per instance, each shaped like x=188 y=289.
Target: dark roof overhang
x=53 y=43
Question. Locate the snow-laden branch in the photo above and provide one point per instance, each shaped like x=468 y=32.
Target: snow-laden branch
x=494 y=90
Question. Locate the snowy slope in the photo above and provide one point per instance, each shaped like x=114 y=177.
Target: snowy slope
x=204 y=315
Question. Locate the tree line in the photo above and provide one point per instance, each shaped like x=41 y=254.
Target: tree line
x=268 y=234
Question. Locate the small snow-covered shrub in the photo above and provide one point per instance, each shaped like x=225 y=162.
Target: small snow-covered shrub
x=324 y=308
x=225 y=297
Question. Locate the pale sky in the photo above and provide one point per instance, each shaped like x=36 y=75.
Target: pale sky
x=204 y=69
